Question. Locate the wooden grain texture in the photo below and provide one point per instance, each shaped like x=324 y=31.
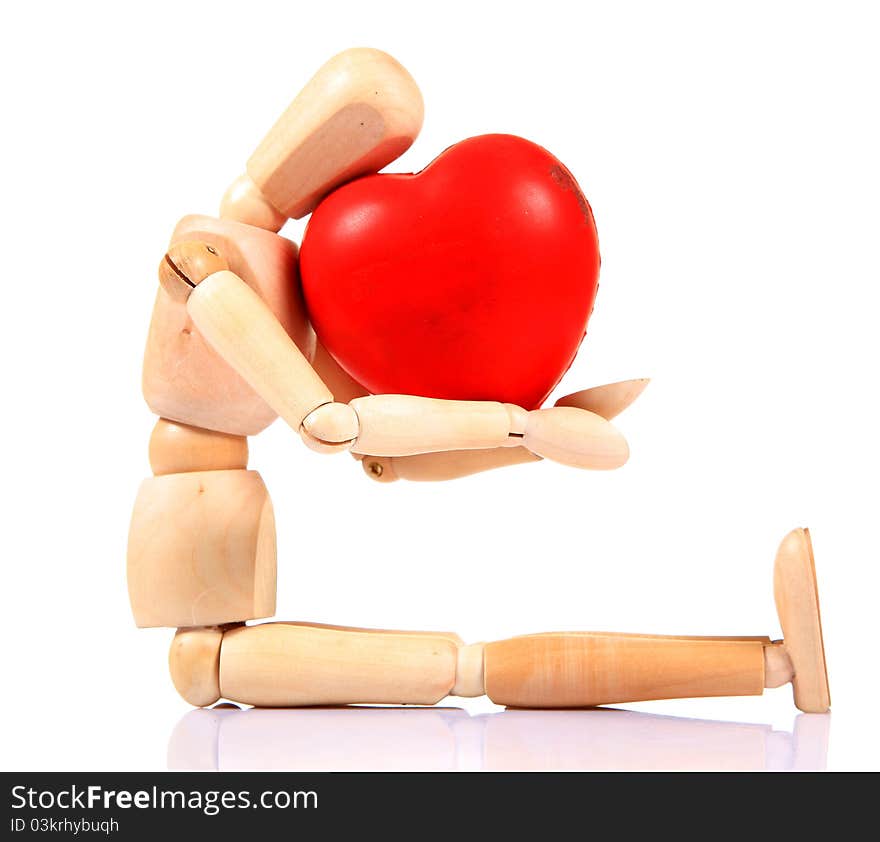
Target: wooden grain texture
x=245 y=202
x=446 y=465
x=451 y=636
x=359 y=112
x=797 y=603
x=184 y=378
x=194 y=663
x=201 y=550
x=587 y=669
x=761 y=638
x=187 y=263
x=608 y=400
x=401 y=425
x=778 y=668
x=178 y=448
x=242 y=328
x=575 y=437
x=331 y=427
x=284 y=665
x=469 y=673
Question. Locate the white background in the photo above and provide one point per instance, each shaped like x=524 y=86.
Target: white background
x=730 y=156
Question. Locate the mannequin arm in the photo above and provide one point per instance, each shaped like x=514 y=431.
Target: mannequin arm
x=359 y=112
x=244 y=331
x=608 y=401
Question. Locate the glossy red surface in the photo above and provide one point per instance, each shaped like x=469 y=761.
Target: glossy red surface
x=472 y=279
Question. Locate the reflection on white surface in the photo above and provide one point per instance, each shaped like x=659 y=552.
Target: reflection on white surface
x=449 y=739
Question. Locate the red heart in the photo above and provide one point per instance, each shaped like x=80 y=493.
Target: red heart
x=472 y=279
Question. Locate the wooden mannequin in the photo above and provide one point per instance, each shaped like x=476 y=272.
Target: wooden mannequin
x=230 y=348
